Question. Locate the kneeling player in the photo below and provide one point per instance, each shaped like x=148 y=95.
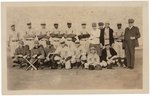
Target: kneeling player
x=93 y=60
x=37 y=53
x=63 y=60
x=109 y=55
x=20 y=53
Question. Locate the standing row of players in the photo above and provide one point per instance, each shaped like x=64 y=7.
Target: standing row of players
x=68 y=49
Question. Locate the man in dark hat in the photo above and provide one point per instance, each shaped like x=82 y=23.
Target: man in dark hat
x=130 y=42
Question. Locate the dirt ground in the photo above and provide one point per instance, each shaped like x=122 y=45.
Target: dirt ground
x=48 y=79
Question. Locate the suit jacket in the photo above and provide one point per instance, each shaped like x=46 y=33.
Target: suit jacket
x=111 y=38
x=104 y=53
x=133 y=32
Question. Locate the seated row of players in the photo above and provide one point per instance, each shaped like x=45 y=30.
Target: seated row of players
x=64 y=57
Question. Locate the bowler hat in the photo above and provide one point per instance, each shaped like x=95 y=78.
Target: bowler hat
x=83 y=24
x=13 y=25
x=69 y=23
x=29 y=23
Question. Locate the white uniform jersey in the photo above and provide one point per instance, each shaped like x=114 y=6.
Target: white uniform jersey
x=69 y=31
x=119 y=33
x=106 y=35
x=94 y=36
x=43 y=31
x=64 y=52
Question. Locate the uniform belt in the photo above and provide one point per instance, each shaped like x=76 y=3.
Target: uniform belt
x=15 y=40
x=119 y=41
x=29 y=39
x=56 y=40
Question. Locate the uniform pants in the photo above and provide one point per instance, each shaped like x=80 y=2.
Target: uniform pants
x=13 y=46
x=118 y=48
x=129 y=52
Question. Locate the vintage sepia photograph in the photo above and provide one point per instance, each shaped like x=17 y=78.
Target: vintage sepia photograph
x=75 y=47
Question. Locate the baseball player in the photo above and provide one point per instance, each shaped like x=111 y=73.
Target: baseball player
x=37 y=52
x=65 y=55
x=43 y=34
x=109 y=55
x=118 y=46
x=84 y=36
x=20 y=52
x=29 y=36
x=13 y=40
x=92 y=59
x=69 y=35
x=56 y=35
x=94 y=38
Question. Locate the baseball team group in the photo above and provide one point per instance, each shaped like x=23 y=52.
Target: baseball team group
x=95 y=49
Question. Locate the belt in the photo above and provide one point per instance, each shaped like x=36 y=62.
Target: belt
x=56 y=40
x=119 y=41
x=15 y=40
x=29 y=39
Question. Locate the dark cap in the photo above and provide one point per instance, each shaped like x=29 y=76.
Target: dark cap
x=119 y=24
x=48 y=42
x=43 y=24
x=29 y=23
x=130 y=20
x=69 y=23
x=83 y=24
x=13 y=25
x=100 y=23
x=55 y=23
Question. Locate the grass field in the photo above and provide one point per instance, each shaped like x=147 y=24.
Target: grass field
x=48 y=79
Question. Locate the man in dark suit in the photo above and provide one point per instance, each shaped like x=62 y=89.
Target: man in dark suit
x=130 y=42
x=106 y=35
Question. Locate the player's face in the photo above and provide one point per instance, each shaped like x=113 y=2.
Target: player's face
x=56 y=26
x=119 y=26
x=83 y=26
x=130 y=24
x=92 y=51
x=107 y=25
x=101 y=27
x=63 y=45
x=77 y=45
x=29 y=26
x=94 y=28
x=69 y=26
x=36 y=45
x=43 y=26
x=20 y=45
x=13 y=28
